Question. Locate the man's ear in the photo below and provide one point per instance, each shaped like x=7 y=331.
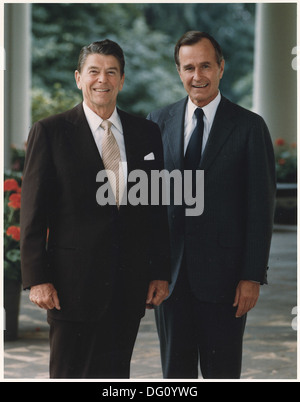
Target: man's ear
x=178 y=70
x=222 y=67
x=122 y=82
x=77 y=79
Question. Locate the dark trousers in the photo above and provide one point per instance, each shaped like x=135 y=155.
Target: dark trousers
x=101 y=349
x=191 y=331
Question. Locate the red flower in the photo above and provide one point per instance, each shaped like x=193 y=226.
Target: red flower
x=14 y=232
x=11 y=185
x=281 y=161
x=279 y=142
x=15 y=201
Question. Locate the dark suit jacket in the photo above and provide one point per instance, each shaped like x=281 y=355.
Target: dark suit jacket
x=90 y=247
x=230 y=241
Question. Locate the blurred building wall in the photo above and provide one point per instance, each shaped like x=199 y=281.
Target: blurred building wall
x=275 y=74
x=17 y=76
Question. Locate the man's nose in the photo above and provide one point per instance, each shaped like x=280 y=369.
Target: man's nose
x=197 y=74
x=102 y=77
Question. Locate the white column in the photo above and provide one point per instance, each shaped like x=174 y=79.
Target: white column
x=17 y=76
x=275 y=79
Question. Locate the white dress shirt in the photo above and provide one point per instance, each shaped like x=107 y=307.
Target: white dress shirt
x=190 y=120
x=94 y=122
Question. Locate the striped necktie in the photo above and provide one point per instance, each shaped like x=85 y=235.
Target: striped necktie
x=111 y=159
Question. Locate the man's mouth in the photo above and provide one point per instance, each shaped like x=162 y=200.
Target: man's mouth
x=101 y=90
x=200 y=86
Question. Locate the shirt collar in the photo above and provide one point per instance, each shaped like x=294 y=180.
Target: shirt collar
x=94 y=120
x=209 y=110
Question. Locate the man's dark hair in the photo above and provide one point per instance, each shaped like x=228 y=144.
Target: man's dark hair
x=193 y=37
x=106 y=47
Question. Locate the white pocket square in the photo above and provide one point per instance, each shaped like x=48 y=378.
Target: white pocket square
x=149 y=157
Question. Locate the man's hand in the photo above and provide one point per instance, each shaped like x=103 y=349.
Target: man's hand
x=246 y=296
x=157 y=292
x=44 y=296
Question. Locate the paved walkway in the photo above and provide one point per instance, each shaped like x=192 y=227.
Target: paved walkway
x=270 y=349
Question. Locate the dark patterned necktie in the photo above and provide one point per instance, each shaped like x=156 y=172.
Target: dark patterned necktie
x=194 y=149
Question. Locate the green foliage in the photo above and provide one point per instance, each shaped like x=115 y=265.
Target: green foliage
x=17 y=159
x=152 y=80
x=147 y=33
x=286 y=161
x=44 y=103
x=60 y=30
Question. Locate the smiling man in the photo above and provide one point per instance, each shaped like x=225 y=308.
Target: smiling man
x=100 y=265
x=100 y=79
x=219 y=258
x=200 y=70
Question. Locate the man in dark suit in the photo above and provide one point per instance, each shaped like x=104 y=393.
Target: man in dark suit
x=103 y=262
x=219 y=258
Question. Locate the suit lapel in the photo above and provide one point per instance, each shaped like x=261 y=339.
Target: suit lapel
x=173 y=136
x=133 y=146
x=132 y=140
x=221 y=129
x=81 y=137
x=82 y=140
